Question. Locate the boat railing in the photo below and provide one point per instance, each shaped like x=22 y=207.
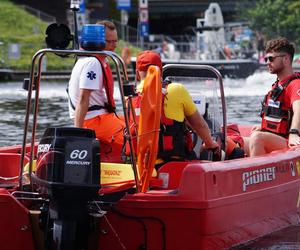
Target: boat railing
x=34 y=85
x=23 y=195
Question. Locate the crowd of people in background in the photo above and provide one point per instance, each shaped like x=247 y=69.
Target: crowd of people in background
x=242 y=42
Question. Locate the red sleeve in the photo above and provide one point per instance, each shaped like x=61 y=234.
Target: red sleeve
x=293 y=90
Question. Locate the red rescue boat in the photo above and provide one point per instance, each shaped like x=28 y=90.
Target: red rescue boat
x=51 y=196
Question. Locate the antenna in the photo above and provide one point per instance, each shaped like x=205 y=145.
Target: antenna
x=74 y=6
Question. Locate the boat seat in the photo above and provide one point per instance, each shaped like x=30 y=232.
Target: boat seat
x=171 y=172
x=119 y=177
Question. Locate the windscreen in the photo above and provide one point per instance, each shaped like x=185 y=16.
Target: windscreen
x=206 y=95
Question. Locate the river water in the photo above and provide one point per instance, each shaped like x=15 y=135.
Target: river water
x=243 y=97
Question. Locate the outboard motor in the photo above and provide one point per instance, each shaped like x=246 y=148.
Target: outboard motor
x=68 y=173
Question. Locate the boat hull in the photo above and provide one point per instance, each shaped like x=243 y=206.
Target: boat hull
x=215 y=206
x=15 y=225
x=194 y=205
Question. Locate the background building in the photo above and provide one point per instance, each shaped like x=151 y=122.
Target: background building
x=167 y=17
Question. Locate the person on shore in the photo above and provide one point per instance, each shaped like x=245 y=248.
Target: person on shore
x=178 y=108
x=126 y=54
x=91 y=102
x=260 y=46
x=280 y=112
x=163 y=50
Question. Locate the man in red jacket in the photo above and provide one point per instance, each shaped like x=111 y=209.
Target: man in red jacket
x=280 y=113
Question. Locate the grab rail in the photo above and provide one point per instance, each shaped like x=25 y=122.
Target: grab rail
x=34 y=83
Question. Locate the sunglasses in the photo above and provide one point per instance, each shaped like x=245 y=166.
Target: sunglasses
x=111 y=41
x=272 y=58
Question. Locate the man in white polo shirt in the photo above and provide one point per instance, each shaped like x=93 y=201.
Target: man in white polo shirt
x=91 y=102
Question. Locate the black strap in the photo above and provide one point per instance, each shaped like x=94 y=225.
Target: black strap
x=71 y=103
x=275 y=112
x=91 y=108
x=96 y=107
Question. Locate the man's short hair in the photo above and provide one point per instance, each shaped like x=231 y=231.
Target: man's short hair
x=281 y=44
x=107 y=24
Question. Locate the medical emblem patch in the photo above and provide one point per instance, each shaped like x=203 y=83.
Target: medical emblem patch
x=91 y=75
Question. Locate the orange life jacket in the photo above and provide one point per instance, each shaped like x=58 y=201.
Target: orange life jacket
x=276 y=113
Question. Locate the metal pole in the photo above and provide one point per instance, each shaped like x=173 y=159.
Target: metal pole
x=74 y=6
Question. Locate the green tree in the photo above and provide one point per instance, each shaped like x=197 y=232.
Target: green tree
x=275 y=18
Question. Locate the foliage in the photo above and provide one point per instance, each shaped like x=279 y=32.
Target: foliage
x=18 y=26
x=275 y=18
x=28 y=32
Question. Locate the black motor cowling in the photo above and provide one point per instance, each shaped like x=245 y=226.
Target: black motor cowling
x=68 y=158
x=68 y=173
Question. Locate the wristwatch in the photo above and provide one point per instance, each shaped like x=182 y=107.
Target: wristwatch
x=294 y=131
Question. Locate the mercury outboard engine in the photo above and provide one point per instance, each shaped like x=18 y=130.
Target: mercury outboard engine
x=68 y=174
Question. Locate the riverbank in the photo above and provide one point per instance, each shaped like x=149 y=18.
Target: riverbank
x=57 y=75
